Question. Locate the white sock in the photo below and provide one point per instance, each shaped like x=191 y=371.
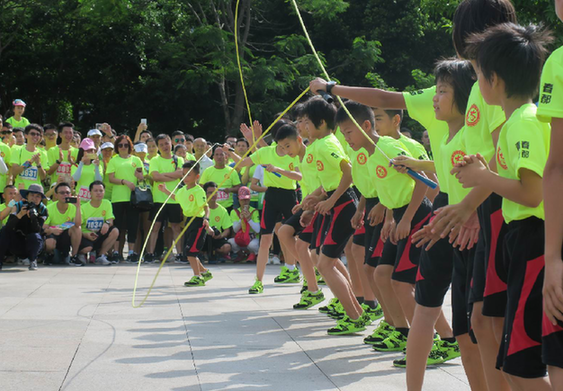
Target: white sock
x=290 y=267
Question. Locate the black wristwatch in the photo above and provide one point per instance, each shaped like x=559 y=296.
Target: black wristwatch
x=206 y=218
x=329 y=86
x=58 y=162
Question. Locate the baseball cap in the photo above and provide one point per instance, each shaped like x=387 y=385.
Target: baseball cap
x=19 y=102
x=87 y=144
x=243 y=193
x=141 y=147
x=94 y=132
x=106 y=145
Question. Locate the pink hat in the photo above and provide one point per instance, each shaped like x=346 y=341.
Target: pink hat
x=87 y=144
x=244 y=193
x=18 y=102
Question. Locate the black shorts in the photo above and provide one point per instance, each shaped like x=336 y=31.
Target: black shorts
x=461 y=282
x=95 y=244
x=374 y=244
x=278 y=204
x=494 y=229
x=62 y=241
x=435 y=268
x=171 y=213
x=359 y=236
x=318 y=231
x=406 y=255
x=195 y=237
x=294 y=222
x=552 y=343
x=338 y=229
x=214 y=244
x=520 y=352
x=307 y=234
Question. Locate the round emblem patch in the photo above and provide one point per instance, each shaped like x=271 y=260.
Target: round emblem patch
x=103 y=212
x=457 y=157
x=473 y=116
x=217 y=218
x=381 y=172
x=191 y=198
x=291 y=166
x=362 y=159
x=309 y=158
x=320 y=165
x=500 y=159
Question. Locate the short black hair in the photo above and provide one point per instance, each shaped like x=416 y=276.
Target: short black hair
x=147 y=132
x=177 y=133
x=17 y=130
x=230 y=136
x=207 y=185
x=360 y=112
x=64 y=125
x=244 y=141
x=61 y=184
x=297 y=111
x=96 y=183
x=318 y=110
x=161 y=136
x=189 y=137
x=7 y=125
x=460 y=75
x=278 y=125
x=287 y=131
x=392 y=113
x=191 y=163
x=179 y=146
x=475 y=16
x=9 y=187
x=47 y=127
x=31 y=127
x=514 y=53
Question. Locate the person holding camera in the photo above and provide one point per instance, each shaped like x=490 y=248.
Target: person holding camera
x=23 y=233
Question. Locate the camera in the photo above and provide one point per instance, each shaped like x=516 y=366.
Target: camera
x=31 y=207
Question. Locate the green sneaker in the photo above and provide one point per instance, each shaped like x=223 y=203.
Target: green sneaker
x=288 y=276
x=435 y=357
x=303 y=289
x=325 y=309
x=256 y=288
x=337 y=312
x=347 y=326
x=195 y=281
x=395 y=342
x=448 y=350
x=206 y=276
x=374 y=313
x=380 y=333
x=320 y=279
x=309 y=299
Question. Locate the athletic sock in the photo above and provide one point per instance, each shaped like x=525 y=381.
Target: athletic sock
x=403 y=330
x=371 y=304
x=450 y=340
x=360 y=299
x=290 y=267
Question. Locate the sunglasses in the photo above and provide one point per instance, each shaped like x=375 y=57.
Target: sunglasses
x=180 y=140
x=50 y=134
x=35 y=134
x=123 y=145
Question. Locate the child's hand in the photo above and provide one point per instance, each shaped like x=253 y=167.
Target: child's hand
x=388 y=227
x=306 y=218
x=469 y=234
x=317 y=84
x=357 y=220
x=403 y=230
x=162 y=187
x=553 y=290
x=376 y=215
x=401 y=163
x=471 y=174
x=296 y=208
x=422 y=236
x=206 y=225
x=324 y=207
x=270 y=168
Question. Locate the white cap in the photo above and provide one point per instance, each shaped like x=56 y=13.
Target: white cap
x=106 y=145
x=94 y=132
x=141 y=147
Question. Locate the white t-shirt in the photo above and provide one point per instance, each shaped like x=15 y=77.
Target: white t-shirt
x=259 y=174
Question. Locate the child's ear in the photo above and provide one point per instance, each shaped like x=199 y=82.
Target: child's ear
x=396 y=120
x=366 y=126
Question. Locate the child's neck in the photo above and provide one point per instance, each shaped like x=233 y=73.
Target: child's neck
x=95 y=203
x=302 y=149
x=17 y=116
x=370 y=147
x=190 y=185
x=213 y=204
x=396 y=134
x=455 y=125
x=510 y=105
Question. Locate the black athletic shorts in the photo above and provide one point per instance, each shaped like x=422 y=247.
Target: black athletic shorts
x=171 y=213
x=62 y=241
x=461 y=282
x=294 y=222
x=318 y=231
x=338 y=229
x=552 y=342
x=278 y=204
x=214 y=244
x=95 y=244
x=406 y=256
x=435 y=268
x=195 y=237
x=307 y=234
x=520 y=352
x=374 y=244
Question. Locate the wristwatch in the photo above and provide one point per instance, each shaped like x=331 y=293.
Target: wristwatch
x=58 y=162
x=329 y=86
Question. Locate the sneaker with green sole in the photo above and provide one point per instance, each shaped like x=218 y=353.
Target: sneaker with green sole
x=309 y=299
x=195 y=281
x=288 y=276
x=435 y=357
x=325 y=309
x=206 y=276
x=380 y=333
x=337 y=312
x=320 y=279
x=347 y=326
x=395 y=342
x=374 y=313
x=256 y=288
x=303 y=289
x=448 y=350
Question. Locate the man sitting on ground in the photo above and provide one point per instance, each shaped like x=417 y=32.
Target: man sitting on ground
x=246 y=225
x=219 y=227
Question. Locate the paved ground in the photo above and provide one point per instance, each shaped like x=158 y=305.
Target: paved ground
x=67 y=328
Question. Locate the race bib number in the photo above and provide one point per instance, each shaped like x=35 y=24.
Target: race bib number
x=29 y=174
x=84 y=194
x=64 y=168
x=94 y=224
x=222 y=195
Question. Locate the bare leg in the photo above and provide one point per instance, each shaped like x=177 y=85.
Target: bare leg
x=405 y=294
x=369 y=272
x=288 y=255
x=75 y=239
x=555 y=377
x=109 y=242
x=263 y=253
x=176 y=231
x=357 y=286
x=306 y=263
x=394 y=311
x=472 y=364
x=153 y=238
x=195 y=264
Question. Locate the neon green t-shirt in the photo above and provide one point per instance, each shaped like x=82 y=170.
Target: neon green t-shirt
x=123 y=169
x=421 y=108
x=5 y=221
x=269 y=155
x=109 y=186
x=86 y=178
x=93 y=218
x=65 y=168
x=227 y=174
x=416 y=149
x=551 y=88
x=310 y=181
x=328 y=156
x=164 y=166
x=342 y=140
x=192 y=201
x=481 y=120
x=219 y=218
x=393 y=188
x=360 y=173
x=254 y=217
x=523 y=143
x=57 y=218
x=452 y=153
x=22 y=123
x=5 y=153
x=30 y=175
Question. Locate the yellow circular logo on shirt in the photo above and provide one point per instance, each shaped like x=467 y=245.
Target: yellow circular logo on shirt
x=103 y=212
x=309 y=158
x=191 y=197
x=362 y=159
x=291 y=166
x=133 y=164
x=320 y=165
x=381 y=172
x=500 y=159
x=217 y=218
x=473 y=115
x=457 y=157
x=2 y=154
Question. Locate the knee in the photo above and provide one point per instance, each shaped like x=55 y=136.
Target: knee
x=479 y=323
x=285 y=232
x=114 y=233
x=382 y=275
x=225 y=249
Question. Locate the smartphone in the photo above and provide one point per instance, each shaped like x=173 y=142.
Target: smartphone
x=92 y=156
x=144 y=121
x=71 y=200
x=99 y=126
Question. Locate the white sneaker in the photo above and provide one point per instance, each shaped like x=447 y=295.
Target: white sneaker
x=26 y=262
x=102 y=260
x=344 y=260
x=276 y=260
x=82 y=259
